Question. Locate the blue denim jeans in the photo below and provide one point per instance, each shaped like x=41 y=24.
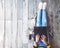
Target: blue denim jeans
x=44 y=18
x=38 y=23
x=41 y=18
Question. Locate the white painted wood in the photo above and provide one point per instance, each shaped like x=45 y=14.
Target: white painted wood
x=1 y=22
x=14 y=24
x=1 y=10
x=19 y=37
x=1 y=33
x=7 y=4
x=19 y=9
x=25 y=21
x=8 y=34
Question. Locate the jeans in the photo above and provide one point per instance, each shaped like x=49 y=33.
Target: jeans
x=41 y=20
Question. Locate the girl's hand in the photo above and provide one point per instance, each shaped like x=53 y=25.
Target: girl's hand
x=37 y=38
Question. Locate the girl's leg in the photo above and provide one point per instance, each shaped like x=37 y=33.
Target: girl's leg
x=44 y=17
x=38 y=20
x=38 y=23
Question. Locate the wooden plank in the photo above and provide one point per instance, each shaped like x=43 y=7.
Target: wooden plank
x=19 y=23
x=1 y=33
x=14 y=24
x=8 y=34
x=7 y=5
x=7 y=24
x=19 y=9
x=25 y=21
x=19 y=37
x=1 y=22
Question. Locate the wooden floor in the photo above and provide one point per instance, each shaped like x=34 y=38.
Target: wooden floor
x=53 y=43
